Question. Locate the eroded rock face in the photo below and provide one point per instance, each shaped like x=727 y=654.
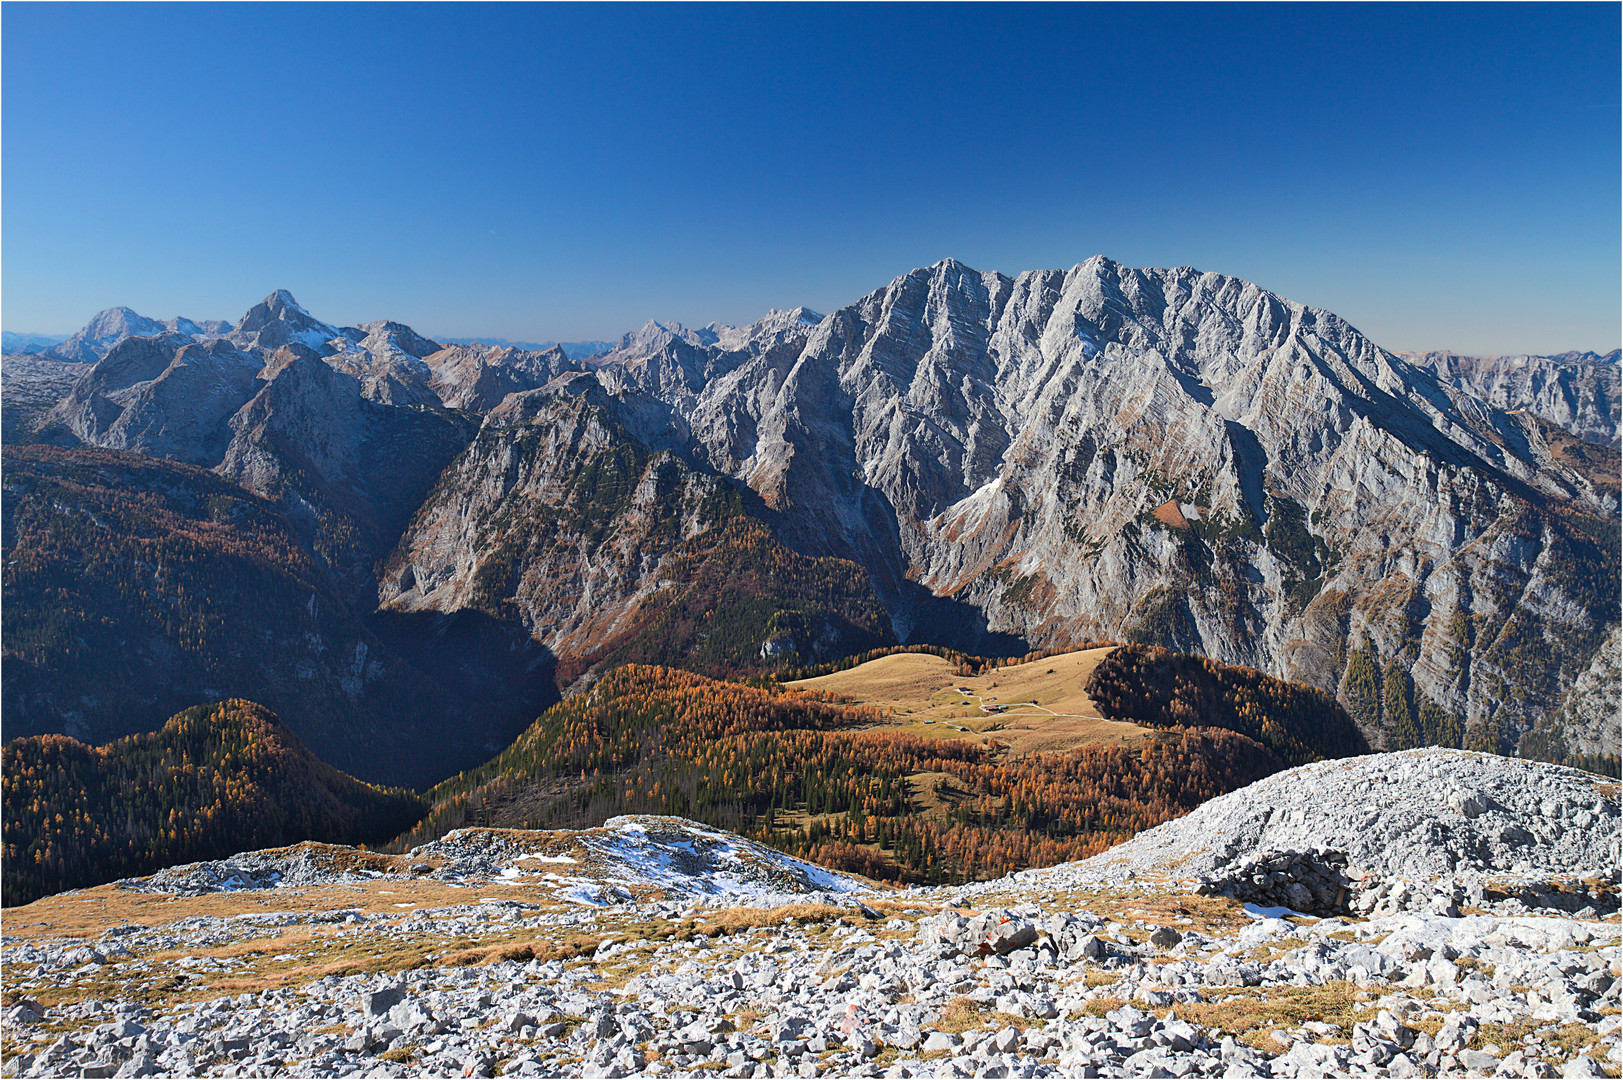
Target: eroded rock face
x=1577 y=391
x=351 y=468
x=478 y=378
x=1165 y=456
x=279 y=320
x=166 y=396
x=553 y=515
x=1006 y=442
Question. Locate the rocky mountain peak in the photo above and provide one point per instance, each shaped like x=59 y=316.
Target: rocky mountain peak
x=653 y=335
x=382 y=335
x=1164 y=455
x=282 y=301
x=950 y=275
x=136 y=359
x=774 y=325
x=107 y=329
x=117 y=321
x=278 y=320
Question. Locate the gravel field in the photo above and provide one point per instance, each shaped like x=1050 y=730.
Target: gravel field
x=1419 y=814
x=1440 y=945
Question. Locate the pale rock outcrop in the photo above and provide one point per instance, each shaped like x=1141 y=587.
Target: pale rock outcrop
x=553 y=515
x=166 y=395
x=1580 y=392
x=1001 y=442
x=278 y=320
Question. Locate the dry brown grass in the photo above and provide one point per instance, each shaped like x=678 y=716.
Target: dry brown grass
x=284 y=941
x=88 y=913
x=1101 y=1005
x=1570 y=1039
x=735 y=920
x=901 y=909
x=1253 y=1015
x=572 y=947
x=1210 y=915
x=1171 y=514
x=960 y=1015
x=407 y=958
x=912 y=688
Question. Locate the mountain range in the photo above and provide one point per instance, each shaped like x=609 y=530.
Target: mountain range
x=575 y=350
x=1163 y=456
x=14 y=342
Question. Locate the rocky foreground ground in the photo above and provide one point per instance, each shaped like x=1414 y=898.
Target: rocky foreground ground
x=1416 y=914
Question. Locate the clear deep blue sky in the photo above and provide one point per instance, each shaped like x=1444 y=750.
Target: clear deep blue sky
x=1442 y=176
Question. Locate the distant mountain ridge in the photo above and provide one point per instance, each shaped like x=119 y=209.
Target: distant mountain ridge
x=575 y=350
x=13 y=342
x=114 y=325
x=1161 y=455
x=1578 y=391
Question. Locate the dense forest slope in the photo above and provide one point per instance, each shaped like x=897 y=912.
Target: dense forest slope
x=815 y=777
x=136 y=587
x=1157 y=687
x=215 y=780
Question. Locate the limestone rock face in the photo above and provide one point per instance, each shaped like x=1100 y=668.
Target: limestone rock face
x=478 y=377
x=1164 y=455
x=33 y=386
x=278 y=320
x=553 y=515
x=166 y=396
x=352 y=468
x=1577 y=391
x=388 y=361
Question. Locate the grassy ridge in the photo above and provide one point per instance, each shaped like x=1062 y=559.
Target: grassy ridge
x=217 y=779
x=787 y=768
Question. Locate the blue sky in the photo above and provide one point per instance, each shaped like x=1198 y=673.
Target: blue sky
x=1443 y=176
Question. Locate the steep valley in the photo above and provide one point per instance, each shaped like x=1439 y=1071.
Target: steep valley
x=137 y=587
x=992 y=464
x=214 y=780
